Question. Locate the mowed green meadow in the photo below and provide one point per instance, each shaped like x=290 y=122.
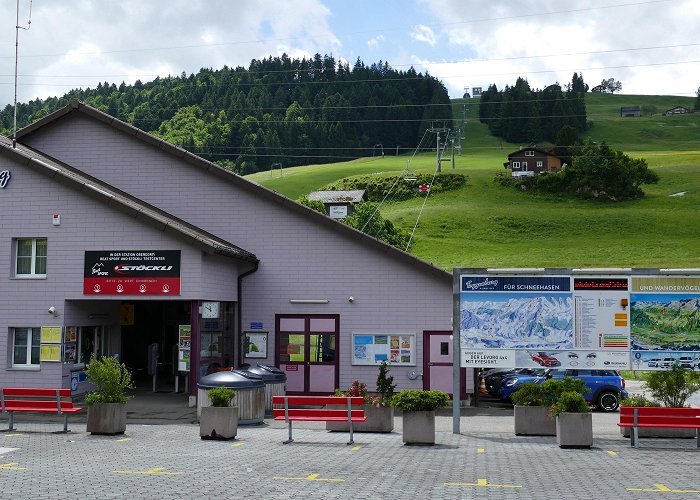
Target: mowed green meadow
x=486 y=225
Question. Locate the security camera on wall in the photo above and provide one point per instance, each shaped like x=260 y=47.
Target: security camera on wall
x=52 y=310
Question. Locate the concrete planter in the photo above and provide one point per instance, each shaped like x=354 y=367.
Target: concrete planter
x=534 y=421
x=218 y=422
x=575 y=430
x=419 y=427
x=106 y=418
x=379 y=419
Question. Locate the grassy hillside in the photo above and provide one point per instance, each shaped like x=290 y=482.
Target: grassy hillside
x=486 y=225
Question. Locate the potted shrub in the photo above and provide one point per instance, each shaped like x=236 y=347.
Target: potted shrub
x=220 y=420
x=531 y=413
x=379 y=414
x=418 y=408
x=574 y=422
x=107 y=401
x=670 y=388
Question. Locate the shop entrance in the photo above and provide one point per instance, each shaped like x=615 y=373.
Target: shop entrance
x=307 y=351
x=154 y=322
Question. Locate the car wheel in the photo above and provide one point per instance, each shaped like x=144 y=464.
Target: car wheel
x=608 y=401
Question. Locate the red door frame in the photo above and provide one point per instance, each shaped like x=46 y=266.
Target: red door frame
x=427 y=363
x=307 y=348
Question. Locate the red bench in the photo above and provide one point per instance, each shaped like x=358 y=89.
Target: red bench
x=318 y=413
x=24 y=399
x=668 y=418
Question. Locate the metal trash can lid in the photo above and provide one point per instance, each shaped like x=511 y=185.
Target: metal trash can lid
x=269 y=374
x=234 y=379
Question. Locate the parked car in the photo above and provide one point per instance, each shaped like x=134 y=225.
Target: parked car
x=494 y=378
x=544 y=360
x=667 y=362
x=687 y=362
x=654 y=363
x=607 y=386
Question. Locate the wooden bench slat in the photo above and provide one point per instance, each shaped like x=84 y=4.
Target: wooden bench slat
x=317 y=400
x=319 y=414
x=658 y=418
x=33 y=391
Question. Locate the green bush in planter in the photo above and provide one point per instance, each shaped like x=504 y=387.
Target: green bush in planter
x=554 y=388
x=221 y=396
x=638 y=400
x=416 y=400
x=529 y=394
x=673 y=387
x=111 y=380
x=570 y=402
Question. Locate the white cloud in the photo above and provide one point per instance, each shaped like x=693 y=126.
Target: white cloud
x=425 y=34
x=374 y=42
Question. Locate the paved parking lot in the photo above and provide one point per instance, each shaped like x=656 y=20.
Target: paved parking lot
x=485 y=461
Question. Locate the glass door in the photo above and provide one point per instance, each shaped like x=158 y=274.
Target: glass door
x=306 y=350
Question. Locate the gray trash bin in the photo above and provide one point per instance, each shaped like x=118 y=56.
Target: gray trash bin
x=250 y=394
x=275 y=382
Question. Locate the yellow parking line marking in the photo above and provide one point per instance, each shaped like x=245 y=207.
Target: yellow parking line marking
x=356 y=448
x=612 y=453
x=156 y=471
x=661 y=488
x=14 y=435
x=237 y=444
x=310 y=477
x=12 y=466
x=484 y=482
x=481 y=450
x=122 y=440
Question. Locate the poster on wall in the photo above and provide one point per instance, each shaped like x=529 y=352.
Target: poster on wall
x=51 y=334
x=184 y=347
x=256 y=344
x=50 y=352
x=664 y=328
x=372 y=349
x=132 y=272
x=544 y=321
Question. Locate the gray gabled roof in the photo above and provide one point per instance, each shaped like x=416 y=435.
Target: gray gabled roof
x=80 y=107
x=122 y=201
x=354 y=196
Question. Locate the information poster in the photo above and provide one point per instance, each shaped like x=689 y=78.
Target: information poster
x=665 y=329
x=544 y=321
x=50 y=352
x=184 y=348
x=372 y=349
x=256 y=344
x=50 y=334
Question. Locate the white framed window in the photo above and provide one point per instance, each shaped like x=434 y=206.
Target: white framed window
x=539 y=163
x=26 y=347
x=30 y=257
x=516 y=164
x=529 y=153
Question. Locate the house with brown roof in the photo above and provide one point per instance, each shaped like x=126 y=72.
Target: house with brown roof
x=531 y=161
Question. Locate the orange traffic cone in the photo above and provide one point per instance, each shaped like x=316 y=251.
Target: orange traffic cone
x=482 y=387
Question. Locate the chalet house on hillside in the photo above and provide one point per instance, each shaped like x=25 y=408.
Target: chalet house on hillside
x=339 y=204
x=626 y=111
x=677 y=110
x=532 y=160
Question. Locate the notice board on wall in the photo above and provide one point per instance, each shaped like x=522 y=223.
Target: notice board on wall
x=372 y=348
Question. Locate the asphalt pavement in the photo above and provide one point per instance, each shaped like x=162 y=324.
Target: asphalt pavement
x=162 y=456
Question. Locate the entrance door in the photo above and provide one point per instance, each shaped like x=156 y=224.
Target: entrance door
x=437 y=363
x=307 y=351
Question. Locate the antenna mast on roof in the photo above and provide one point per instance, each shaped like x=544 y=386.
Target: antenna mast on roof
x=17 y=28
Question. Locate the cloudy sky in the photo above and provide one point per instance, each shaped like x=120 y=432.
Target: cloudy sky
x=652 y=47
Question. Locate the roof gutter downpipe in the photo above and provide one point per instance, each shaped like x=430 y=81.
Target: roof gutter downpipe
x=238 y=348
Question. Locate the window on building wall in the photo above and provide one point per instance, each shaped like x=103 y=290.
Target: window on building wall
x=26 y=347
x=91 y=340
x=529 y=153
x=539 y=164
x=30 y=258
x=516 y=164
x=524 y=165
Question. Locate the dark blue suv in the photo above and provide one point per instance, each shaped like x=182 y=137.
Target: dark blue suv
x=607 y=386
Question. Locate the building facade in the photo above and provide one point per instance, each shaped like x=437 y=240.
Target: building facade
x=254 y=277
